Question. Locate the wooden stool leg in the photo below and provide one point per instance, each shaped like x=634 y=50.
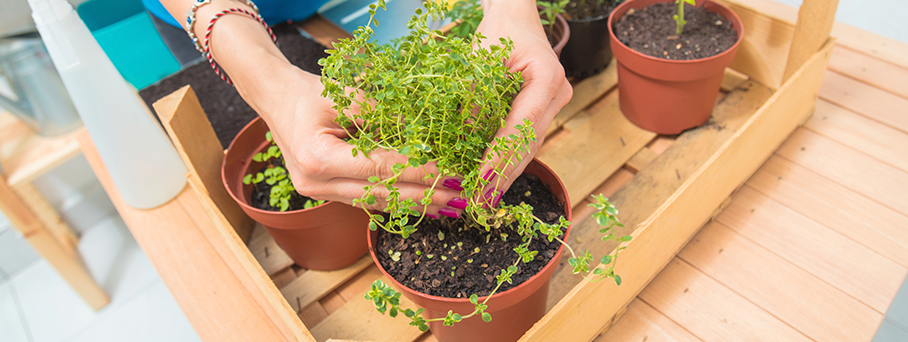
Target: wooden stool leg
x=57 y=243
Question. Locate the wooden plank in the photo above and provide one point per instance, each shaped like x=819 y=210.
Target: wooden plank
x=815 y=19
x=369 y=324
x=313 y=285
x=25 y=155
x=710 y=310
x=60 y=253
x=362 y=282
x=323 y=31
x=866 y=222
x=283 y=277
x=852 y=169
x=872 y=138
x=598 y=144
x=667 y=228
x=585 y=93
x=270 y=256
x=791 y=293
x=201 y=151
x=47 y=215
x=222 y=309
x=641 y=159
x=732 y=79
x=830 y=256
x=313 y=314
x=764 y=51
x=875 y=72
x=866 y=100
x=332 y=302
x=655 y=184
x=643 y=323
x=847 y=36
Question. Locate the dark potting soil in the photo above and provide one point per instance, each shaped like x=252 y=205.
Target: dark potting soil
x=651 y=31
x=226 y=110
x=581 y=10
x=473 y=273
x=261 y=193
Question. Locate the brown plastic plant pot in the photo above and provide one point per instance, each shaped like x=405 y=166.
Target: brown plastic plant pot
x=327 y=237
x=513 y=311
x=669 y=96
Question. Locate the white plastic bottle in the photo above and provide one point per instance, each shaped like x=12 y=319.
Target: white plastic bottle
x=141 y=160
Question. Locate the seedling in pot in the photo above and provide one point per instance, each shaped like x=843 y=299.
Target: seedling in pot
x=276 y=176
x=439 y=99
x=679 y=18
x=550 y=10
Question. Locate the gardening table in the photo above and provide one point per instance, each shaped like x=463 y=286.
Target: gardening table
x=234 y=283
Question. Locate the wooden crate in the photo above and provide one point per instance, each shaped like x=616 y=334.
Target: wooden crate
x=666 y=187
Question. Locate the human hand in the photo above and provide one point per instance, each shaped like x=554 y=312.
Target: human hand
x=545 y=89
x=320 y=162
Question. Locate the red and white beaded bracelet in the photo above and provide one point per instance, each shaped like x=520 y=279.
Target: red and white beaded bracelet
x=191 y=19
x=207 y=48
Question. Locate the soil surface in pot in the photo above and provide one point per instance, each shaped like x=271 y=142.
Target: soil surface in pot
x=581 y=10
x=651 y=31
x=226 y=110
x=261 y=193
x=473 y=272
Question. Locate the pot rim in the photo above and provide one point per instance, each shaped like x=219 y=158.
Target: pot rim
x=613 y=18
x=552 y=263
x=242 y=202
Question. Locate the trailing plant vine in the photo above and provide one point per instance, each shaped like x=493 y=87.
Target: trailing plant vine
x=441 y=99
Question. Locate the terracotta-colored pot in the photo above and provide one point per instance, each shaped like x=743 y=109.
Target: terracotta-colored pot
x=669 y=96
x=561 y=31
x=513 y=311
x=587 y=52
x=327 y=237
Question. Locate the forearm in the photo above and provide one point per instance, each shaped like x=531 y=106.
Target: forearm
x=241 y=47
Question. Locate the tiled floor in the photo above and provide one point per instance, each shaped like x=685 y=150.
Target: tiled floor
x=37 y=305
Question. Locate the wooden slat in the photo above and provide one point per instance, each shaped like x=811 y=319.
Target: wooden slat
x=313 y=314
x=284 y=277
x=872 y=138
x=585 y=93
x=732 y=79
x=866 y=222
x=875 y=72
x=201 y=152
x=358 y=320
x=270 y=256
x=313 y=285
x=641 y=159
x=656 y=183
x=25 y=155
x=710 y=310
x=598 y=144
x=764 y=51
x=60 y=252
x=850 y=168
x=47 y=215
x=352 y=289
x=830 y=256
x=815 y=19
x=848 y=36
x=794 y=295
x=664 y=232
x=332 y=302
x=323 y=30
x=866 y=100
x=643 y=323
x=184 y=258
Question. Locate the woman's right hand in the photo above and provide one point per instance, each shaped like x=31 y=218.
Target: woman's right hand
x=320 y=162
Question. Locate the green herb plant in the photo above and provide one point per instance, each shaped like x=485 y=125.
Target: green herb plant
x=679 y=17
x=441 y=99
x=276 y=176
x=550 y=10
x=467 y=14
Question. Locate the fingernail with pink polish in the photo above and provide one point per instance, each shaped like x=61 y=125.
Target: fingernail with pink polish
x=452 y=183
x=488 y=176
x=448 y=212
x=458 y=203
x=432 y=216
x=496 y=200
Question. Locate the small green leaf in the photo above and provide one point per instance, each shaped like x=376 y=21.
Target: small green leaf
x=486 y=317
